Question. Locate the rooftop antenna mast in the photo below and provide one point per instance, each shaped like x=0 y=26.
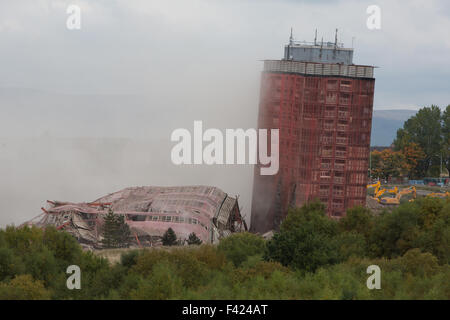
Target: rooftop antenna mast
x=315 y=39
x=321 y=47
x=335 y=38
x=291 y=42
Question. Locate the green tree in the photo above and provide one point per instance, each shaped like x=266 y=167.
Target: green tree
x=395 y=232
x=10 y=264
x=376 y=170
x=63 y=245
x=162 y=284
x=358 y=219
x=193 y=239
x=388 y=163
x=434 y=219
x=413 y=154
x=351 y=244
x=169 y=238
x=239 y=247
x=418 y=263
x=43 y=265
x=129 y=259
x=446 y=138
x=116 y=232
x=109 y=230
x=425 y=130
x=123 y=232
x=306 y=240
x=24 y=287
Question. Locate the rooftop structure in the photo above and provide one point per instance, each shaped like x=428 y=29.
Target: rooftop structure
x=328 y=52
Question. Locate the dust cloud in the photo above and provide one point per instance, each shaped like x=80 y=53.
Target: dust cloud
x=80 y=147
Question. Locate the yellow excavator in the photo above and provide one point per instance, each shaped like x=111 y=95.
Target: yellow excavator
x=393 y=191
x=377 y=187
x=400 y=194
x=441 y=195
x=378 y=192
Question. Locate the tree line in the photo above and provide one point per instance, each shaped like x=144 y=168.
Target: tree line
x=420 y=148
x=310 y=257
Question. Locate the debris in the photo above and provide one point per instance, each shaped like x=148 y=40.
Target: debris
x=206 y=211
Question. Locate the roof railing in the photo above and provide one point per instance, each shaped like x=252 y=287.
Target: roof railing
x=315 y=44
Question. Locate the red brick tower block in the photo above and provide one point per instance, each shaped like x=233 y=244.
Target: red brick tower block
x=324 y=113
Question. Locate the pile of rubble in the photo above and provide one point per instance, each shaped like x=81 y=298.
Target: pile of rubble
x=206 y=211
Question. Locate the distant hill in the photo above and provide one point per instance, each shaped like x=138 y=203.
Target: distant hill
x=385 y=124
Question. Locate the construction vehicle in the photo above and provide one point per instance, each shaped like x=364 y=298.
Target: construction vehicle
x=377 y=187
x=392 y=191
x=441 y=195
x=400 y=194
x=379 y=192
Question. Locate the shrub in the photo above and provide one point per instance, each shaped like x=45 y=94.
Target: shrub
x=307 y=239
x=395 y=232
x=239 y=246
x=351 y=244
x=357 y=219
x=10 y=264
x=129 y=259
x=163 y=284
x=193 y=239
x=210 y=256
x=23 y=287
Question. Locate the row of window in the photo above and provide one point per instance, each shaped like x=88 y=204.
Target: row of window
x=291 y=83
x=177 y=219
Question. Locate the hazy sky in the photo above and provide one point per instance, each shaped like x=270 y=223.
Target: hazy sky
x=142 y=68
x=151 y=46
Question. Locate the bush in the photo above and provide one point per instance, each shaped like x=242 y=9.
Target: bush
x=239 y=246
x=307 y=239
x=418 y=263
x=10 y=264
x=193 y=239
x=163 y=284
x=395 y=232
x=351 y=244
x=357 y=219
x=210 y=256
x=64 y=246
x=23 y=287
x=147 y=259
x=129 y=259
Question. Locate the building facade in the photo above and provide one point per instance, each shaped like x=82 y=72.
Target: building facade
x=322 y=105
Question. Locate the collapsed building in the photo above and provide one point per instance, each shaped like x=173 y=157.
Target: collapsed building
x=206 y=211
